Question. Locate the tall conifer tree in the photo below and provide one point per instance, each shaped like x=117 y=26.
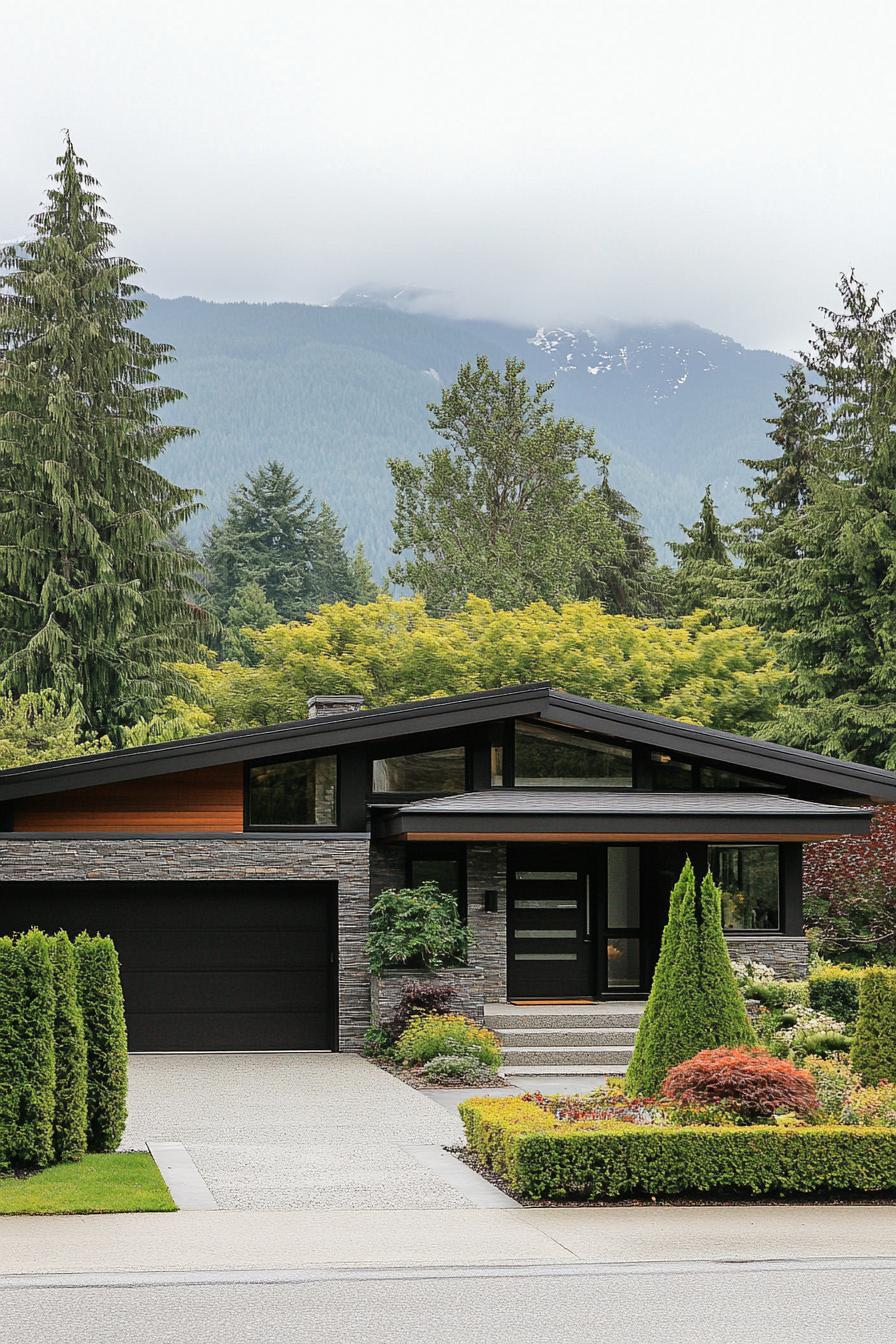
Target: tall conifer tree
x=704 y=562
x=95 y=599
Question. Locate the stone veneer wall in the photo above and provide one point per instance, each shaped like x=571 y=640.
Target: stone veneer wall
x=466 y=981
x=788 y=957
x=220 y=858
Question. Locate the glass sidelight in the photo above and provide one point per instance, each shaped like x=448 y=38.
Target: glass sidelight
x=623 y=926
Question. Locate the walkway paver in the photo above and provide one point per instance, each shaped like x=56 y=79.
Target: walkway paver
x=293 y=1131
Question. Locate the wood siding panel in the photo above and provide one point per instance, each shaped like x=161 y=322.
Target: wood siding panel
x=187 y=802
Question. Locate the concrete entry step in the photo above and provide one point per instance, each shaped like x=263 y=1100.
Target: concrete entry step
x=594 y=1056
x=584 y=1071
x=541 y=1036
x=550 y=1019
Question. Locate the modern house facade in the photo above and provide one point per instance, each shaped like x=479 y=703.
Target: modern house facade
x=235 y=871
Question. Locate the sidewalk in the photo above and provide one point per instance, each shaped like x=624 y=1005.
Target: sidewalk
x=296 y=1239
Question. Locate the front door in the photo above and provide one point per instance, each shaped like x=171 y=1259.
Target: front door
x=550 y=950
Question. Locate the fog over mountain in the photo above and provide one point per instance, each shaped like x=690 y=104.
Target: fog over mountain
x=335 y=390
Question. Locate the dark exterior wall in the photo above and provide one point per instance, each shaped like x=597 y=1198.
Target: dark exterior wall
x=129 y=859
x=487 y=869
x=190 y=800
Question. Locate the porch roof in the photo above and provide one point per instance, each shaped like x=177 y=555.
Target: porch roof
x=616 y=814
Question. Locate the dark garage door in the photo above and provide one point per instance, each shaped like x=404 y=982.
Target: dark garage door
x=206 y=965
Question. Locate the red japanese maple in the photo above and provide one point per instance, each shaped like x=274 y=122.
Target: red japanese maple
x=747 y=1081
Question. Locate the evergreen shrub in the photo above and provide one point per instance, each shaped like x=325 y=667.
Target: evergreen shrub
x=70 y=1109
x=416 y=926
x=12 y=1058
x=835 y=990
x=873 y=1053
x=543 y=1158
x=694 y=1001
x=34 y=1145
x=102 y=1005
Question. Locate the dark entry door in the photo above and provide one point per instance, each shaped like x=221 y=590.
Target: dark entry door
x=205 y=965
x=550 y=950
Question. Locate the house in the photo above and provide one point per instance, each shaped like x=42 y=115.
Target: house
x=235 y=871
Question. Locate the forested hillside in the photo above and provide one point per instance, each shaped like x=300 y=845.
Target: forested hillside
x=333 y=391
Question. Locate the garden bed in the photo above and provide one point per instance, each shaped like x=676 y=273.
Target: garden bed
x=414 y=1076
x=99 y=1183
x=540 y=1157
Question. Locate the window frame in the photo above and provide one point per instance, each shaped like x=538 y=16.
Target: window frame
x=395 y=796
x=778 y=928
x=575 y=734
x=454 y=850
x=299 y=828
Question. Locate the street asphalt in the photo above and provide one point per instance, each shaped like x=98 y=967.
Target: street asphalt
x=797 y=1305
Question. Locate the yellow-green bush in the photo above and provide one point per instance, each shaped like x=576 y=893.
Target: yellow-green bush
x=543 y=1158
x=446 y=1034
x=835 y=990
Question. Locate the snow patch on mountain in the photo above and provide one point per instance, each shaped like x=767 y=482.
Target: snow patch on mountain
x=662 y=368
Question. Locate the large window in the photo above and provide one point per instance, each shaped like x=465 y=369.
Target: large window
x=426 y=772
x=551 y=758
x=443 y=865
x=749 y=878
x=293 y=793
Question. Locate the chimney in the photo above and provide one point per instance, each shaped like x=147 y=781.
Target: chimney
x=323 y=706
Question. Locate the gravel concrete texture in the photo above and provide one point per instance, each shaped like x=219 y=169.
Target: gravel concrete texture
x=293 y=1131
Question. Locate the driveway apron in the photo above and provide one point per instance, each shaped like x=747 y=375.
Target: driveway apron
x=293 y=1131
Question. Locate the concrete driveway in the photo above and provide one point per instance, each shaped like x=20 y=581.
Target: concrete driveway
x=293 y=1131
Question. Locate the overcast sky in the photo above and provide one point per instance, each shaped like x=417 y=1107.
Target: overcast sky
x=542 y=162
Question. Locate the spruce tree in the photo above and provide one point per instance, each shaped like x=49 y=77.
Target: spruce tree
x=704 y=561
x=624 y=576
x=249 y=608
x=274 y=535
x=95 y=600
x=833 y=614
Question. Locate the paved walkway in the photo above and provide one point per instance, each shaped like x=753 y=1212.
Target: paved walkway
x=267 y=1242
x=295 y=1131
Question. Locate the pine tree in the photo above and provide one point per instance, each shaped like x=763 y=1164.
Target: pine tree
x=95 y=600
x=834 y=611
x=275 y=536
x=704 y=562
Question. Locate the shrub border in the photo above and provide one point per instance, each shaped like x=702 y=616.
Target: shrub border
x=540 y=1157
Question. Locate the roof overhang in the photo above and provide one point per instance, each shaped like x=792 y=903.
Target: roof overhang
x=616 y=815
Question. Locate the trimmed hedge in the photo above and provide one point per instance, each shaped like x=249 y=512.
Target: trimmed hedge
x=835 y=990
x=102 y=1005
x=34 y=1144
x=543 y=1158
x=873 y=1054
x=12 y=1060
x=70 y=1115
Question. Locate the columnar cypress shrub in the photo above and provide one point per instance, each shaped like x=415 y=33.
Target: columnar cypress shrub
x=694 y=1001
x=102 y=1005
x=725 y=1020
x=70 y=1118
x=12 y=1058
x=34 y=1142
x=873 y=1052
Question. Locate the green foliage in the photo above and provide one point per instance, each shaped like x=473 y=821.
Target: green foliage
x=822 y=582
x=102 y=1006
x=704 y=563
x=249 y=609
x=873 y=1054
x=835 y=990
x=543 y=1158
x=70 y=1112
x=777 y=993
x=34 y=1145
x=377 y=1043
x=458 y=1071
x=95 y=597
x=416 y=926
x=694 y=1001
x=392 y=651
x=38 y=727
x=276 y=542
x=427 y=1037
x=834 y=1081
x=498 y=509
x=13 y=1065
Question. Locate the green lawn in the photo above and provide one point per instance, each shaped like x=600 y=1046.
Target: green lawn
x=100 y=1183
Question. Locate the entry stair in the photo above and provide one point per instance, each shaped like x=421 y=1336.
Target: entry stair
x=565 y=1039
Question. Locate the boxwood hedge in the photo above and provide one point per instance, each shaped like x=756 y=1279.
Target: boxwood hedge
x=543 y=1158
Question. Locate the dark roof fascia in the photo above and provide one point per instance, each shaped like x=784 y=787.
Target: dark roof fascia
x=721 y=748
x=442 y=825
x=249 y=744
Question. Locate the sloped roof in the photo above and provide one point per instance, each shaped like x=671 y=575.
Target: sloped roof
x=536 y=700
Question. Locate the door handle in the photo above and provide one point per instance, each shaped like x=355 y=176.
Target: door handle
x=587 y=907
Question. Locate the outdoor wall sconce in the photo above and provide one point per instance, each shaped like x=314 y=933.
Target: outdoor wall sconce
x=490 y=900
